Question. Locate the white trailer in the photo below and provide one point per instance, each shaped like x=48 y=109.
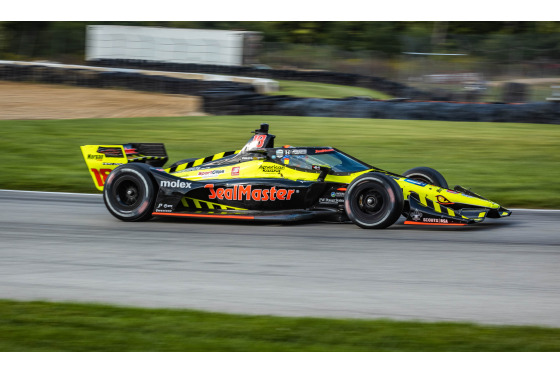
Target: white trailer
x=213 y=47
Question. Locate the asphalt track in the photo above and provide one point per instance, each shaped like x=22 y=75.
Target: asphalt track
x=67 y=247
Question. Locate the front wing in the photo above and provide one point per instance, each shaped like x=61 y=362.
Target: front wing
x=433 y=213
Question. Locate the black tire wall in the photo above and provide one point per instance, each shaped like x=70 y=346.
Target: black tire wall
x=115 y=79
x=232 y=98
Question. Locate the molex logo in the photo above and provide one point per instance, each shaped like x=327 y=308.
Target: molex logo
x=174 y=184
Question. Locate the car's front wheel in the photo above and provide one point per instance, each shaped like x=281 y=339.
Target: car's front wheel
x=130 y=192
x=374 y=201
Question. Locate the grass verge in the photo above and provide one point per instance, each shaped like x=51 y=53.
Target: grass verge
x=325 y=91
x=512 y=164
x=42 y=326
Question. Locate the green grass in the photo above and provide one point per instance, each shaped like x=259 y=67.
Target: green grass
x=513 y=164
x=323 y=90
x=42 y=326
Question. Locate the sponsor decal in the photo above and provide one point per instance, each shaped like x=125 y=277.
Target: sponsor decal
x=324 y=150
x=286 y=160
x=451 y=191
x=113 y=163
x=174 y=184
x=295 y=151
x=235 y=171
x=272 y=168
x=299 y=151
x=248 y=193
x=336 y=194
x=316 y=167
x=164 y=206
x=210 y=173
x=421 y=184
x=95 y=157
x=279 y=153
x=416 y=215
x=435 y=220
x=325 y=200
x=443 y=200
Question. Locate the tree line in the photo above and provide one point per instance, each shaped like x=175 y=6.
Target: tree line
x=538 y=39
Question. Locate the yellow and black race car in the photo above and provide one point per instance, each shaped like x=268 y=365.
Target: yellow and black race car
x=281 y=184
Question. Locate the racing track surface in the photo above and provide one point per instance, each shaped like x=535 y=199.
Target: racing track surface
x=64 y=247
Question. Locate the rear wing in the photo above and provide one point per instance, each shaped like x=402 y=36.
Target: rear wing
x=102 y=159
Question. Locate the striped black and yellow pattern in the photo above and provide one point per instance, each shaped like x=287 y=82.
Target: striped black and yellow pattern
x=439 y=208
x=201 y=161
x=189 y=202
x=141 y=158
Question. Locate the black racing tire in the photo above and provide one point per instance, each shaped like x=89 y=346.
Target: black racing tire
x=185 y=161
x=374 y=201
x=130 y=192
x=426 y=175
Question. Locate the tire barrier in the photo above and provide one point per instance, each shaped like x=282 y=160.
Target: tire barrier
x=515 y=92
x=224 y=102
x=234 y=98
x=115 y=79
x=375 y=83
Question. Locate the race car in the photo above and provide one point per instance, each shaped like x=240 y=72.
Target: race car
x=264 y=182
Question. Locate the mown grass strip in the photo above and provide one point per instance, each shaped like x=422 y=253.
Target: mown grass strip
x=45 y=326
x=512 y=164
x=326 y=91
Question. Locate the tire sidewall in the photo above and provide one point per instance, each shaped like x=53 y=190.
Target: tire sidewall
x=428 y=174
x=392 y=205
x=146 y=190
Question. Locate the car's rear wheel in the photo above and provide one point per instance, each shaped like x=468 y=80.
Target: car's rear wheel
x=426 y=175
x=374 y=201
x=130 y=192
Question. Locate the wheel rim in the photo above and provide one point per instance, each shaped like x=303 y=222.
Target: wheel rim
x=374 y=201
x=370 y=201
x=127 y=194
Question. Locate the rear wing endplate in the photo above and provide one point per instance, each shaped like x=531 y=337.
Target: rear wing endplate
x=102 y=159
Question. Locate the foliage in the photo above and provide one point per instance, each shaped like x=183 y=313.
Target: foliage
x=40 y=39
